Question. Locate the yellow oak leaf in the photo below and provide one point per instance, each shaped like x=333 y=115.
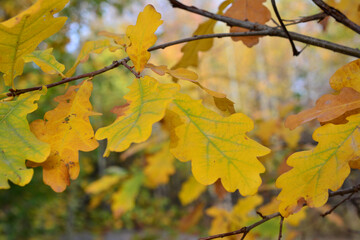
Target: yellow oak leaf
x=159 y=167
x=17 y=142
x=190 y=190
x=248 y=10
x=192 y=49
x=142 y=36
x=46 y=61
x=327 y=108
x=291 y=137
x=238 y=217
x=273 y=207
x=347 y=76
x=68 y=130
x=123 y=200
x=220 y=99
x=325 y=167
x=103 y=184
x=219 y=223
x=148 y=100
x=218 y=146
x=120 y=39
x=97 y=47
x=21 y=34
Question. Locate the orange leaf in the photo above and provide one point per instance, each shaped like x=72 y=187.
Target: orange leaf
x=67 y=129
x=248 y=10
x=327 y=108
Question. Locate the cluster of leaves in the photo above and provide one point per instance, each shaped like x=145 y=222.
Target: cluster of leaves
x=216 y=143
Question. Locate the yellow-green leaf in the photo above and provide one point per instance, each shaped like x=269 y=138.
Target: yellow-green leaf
x=325 y=167
x=218 y=146
x=190 y=190
x=123 y=200
x=148 y=100
x=68 y=130
x=142 y=36
x=17 y=142
x=159 y=167
x=347 y=76
x=21 y=34
x=97 y=47
x=46 y=61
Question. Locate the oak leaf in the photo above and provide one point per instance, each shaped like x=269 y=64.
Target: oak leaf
x=325 y=167
x=17 y=142
x=327 y=108
x=103 y=184
x=46 y=61
x=240 y=216
x=190 y=190
x=123 y=199
x=273 y=207
x=347 y=76
x=192 y=49
x=68 y=130
x=220 y=99
x=248 y=10
x=120 y=39
x=21 y=34
x=97 y=47
x=148 y=100
x=159 y=167
x=142 y=36
x=218 y=146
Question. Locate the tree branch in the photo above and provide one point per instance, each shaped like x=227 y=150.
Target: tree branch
x=124 y=61
x=337 y=15
x=334 y=207
x=274 y=31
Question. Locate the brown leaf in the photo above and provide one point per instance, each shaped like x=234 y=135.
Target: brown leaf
x=192 y=218
x=219 y=189
x=248 y=10
x=120 y=110
x=327 y=108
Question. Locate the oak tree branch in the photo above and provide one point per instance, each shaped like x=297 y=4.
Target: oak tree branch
x=337 y=15
x=273 y=31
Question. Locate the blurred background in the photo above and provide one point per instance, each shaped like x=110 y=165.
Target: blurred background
x=123 y=196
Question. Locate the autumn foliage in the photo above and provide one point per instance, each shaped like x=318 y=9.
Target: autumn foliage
x=216 y=139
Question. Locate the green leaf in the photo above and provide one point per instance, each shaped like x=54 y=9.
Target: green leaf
x=17 y=142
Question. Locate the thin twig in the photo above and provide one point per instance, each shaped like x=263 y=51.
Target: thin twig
x=281 y=227
x=334 y=207
x=274 y=31
x=337 y=15
x=131 y=69
x=295 y=51
x=342 y=192
x=243 y=230
x=260 y=214
x=316 y=17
